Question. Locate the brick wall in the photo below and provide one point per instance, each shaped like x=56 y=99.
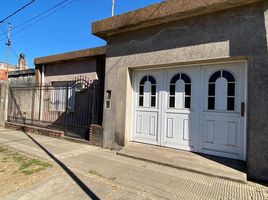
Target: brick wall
x=96 y=135
x=36 y=130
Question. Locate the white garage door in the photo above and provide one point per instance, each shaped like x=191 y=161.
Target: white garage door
x=198 y=109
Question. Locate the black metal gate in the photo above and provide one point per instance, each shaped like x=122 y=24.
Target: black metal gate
x=69 y=106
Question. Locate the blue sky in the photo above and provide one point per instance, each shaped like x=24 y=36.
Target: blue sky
x=65 y=30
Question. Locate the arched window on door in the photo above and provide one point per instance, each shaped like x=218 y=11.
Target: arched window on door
x=147 y=92
x=221 y=91
x=180 y=91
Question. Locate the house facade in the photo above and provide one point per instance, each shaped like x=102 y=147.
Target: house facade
x=67 y=95
x=67 y=66
x=192 y=76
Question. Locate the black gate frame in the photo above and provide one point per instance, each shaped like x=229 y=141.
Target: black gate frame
x=32 y=105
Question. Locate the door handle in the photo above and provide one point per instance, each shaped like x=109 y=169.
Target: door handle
x=242 y=109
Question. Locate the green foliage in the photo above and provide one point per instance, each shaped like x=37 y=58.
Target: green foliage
x=26 y=165
x=30 y=166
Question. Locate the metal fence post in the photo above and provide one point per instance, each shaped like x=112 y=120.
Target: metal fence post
x=2 y=102
x=66 y=108
x=33 y=105
x=93 y=104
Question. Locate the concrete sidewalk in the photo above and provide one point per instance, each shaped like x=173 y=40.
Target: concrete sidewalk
x=96 y=173
x=199 y=163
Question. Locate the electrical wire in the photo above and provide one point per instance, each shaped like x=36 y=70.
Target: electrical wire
x=15 y=33
x=14 y=52
x=33 y=18
x=17 y=11
x=41 y=19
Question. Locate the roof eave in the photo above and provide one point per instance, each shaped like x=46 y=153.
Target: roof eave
x=133 y=20
x=69 y=56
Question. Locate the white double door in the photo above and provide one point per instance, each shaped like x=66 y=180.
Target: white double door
x=198 y=109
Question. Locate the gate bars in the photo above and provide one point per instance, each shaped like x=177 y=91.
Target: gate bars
x=71 y=106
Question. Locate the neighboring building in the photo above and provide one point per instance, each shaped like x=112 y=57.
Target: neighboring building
x=3 y=75
x=72 y=87
x=65 y=67
x=26 y=77
x=19 y=74
x=190 y=75
x=4 y=69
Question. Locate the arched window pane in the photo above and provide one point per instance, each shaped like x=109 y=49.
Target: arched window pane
x=211 y=103
x=215 y=76
x=231 y=89
x=231 y=103
x=171 y=102
x=141 y=101
x=141 y=90
x=185 y=78
x=188 y=89
x=223 y=99
x=152 y=80
x=153 y=101
x=172 y=90
x=153 y=89
x=175 y=78
x=147 y=91
x=143 y=80
x=187 y=103
x=229 y=76
x=211 y=89
x=180 y=91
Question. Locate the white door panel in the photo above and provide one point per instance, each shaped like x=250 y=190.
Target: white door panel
x=221 y=131
x=179 y=116
x=146 y=127
x=147 y=106
x=192 y=108
x=180 y=131
x=223 y=126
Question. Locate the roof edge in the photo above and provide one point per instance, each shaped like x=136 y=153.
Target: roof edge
x=71 y=55
x=160 y=13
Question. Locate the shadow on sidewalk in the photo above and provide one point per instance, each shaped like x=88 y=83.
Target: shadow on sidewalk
x=90 y=193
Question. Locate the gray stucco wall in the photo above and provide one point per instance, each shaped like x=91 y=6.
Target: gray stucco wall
x=70 y=70
x=3 y=102
x=237 y=32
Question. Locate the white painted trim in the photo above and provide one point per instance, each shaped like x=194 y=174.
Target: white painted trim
x=246 y=112
x=179 y=65
x=133 y=123
x=215 y=61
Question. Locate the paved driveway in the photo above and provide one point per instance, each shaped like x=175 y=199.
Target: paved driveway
x=96 y=173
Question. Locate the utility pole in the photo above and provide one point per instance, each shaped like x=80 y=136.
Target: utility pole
x=113 y=8
x=8 y=43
